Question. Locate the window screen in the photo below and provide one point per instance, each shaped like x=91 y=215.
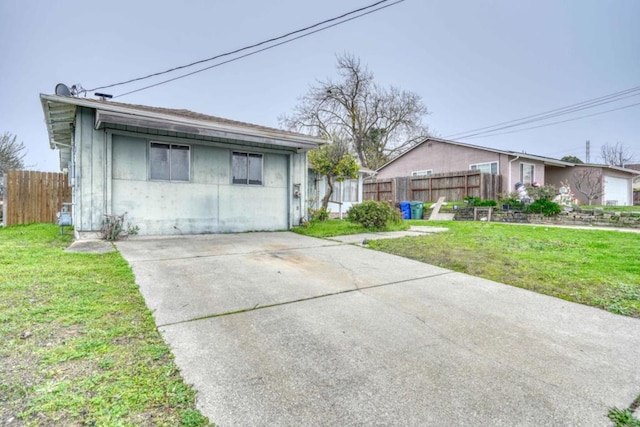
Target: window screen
x=246 y=168
x=169 y=162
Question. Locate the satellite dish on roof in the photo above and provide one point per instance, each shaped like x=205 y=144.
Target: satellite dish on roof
x=62 y=89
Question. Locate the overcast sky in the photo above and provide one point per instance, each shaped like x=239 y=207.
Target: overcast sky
x=474 y=63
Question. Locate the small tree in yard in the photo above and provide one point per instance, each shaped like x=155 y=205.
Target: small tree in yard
x=334 y=162
x=589 y=183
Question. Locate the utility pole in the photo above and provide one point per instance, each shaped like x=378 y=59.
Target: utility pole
x=587 y=157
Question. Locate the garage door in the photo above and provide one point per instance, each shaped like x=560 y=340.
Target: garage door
x=616 y=191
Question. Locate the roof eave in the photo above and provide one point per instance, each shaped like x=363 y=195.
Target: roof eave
x=302 y=142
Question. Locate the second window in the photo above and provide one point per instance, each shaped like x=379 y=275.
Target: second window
x=246 y=168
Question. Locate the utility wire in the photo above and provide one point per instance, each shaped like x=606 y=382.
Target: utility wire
x=543 y=118
x=246 y=47
x=551 y=124
x=259 y=50
x=590 y=103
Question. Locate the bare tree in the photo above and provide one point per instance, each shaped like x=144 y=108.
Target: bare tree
x=11 y=153
x=616 y=155
x=377 y=123
x=589 y=183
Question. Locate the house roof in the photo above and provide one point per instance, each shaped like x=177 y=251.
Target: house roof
x=545 y=160
x=60 y=113
x=615 y=168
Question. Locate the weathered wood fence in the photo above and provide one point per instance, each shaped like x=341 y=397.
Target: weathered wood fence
x=33 y=196
x=453 y=186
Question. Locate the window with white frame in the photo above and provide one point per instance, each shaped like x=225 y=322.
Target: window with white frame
x=425 y=172
x=527 y=173
x=246 y=168
x=488 y=167
x=169 y=162
x=350 y=190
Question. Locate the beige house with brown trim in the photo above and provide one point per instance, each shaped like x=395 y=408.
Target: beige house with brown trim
x=436 y=155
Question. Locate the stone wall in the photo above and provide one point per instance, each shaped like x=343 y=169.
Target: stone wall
x=580 y=216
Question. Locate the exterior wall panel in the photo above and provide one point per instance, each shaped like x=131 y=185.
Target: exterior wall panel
x=209 y=203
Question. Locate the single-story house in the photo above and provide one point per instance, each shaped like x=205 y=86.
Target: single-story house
x=176 y=171
x=436 y=155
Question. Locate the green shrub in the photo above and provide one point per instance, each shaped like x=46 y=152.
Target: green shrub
x=513 y=201
x=372 y=214
x=321 y=214
x=545 y=207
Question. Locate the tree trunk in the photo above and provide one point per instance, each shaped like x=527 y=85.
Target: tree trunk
x=328 y=193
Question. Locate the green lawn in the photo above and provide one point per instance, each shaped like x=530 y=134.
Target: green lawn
x=592 y=267
x=339 y=227
x=79 y=346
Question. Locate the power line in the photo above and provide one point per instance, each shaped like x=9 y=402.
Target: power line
x=549 y=116
x=246 y=47
x=551 y=124
x=258 y=51
x=590 y=103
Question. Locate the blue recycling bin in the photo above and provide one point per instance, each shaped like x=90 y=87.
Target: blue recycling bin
x=405 y=209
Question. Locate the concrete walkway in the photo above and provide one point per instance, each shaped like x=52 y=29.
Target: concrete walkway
x=282 y=329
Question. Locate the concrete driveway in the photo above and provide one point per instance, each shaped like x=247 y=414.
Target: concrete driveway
x=281 y=329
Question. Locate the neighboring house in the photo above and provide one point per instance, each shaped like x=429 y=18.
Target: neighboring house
x=435 y=155
x=176 y=171
x=611 y=185
x=345 y=193
x=636 y=180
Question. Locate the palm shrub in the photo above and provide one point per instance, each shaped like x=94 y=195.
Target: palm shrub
x=373 y=215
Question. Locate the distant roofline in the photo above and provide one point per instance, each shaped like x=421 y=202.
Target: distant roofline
x=546 y=160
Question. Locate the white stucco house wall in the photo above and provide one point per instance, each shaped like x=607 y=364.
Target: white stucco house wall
x=176 y=171
x=345 y=193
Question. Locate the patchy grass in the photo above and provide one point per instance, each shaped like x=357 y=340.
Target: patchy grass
x=79 y=346
x=597 y=268
x=613 y=208
x=592 y=267
x=339 y=227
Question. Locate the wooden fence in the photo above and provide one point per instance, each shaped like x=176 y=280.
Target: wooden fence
x=453 y=186
x=34 y=196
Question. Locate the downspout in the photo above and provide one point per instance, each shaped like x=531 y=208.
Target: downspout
x=511 y=161
x=72 y=183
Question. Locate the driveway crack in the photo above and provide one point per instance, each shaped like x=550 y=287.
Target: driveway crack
x=277 y=304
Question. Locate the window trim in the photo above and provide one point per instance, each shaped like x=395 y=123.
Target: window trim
x=533 y=172
x=422 y=172
x=248 y=154
x=471 y=166
x=170 y=145
x=340 y=188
